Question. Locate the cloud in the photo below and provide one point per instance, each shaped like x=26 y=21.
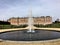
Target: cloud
x=15 y=8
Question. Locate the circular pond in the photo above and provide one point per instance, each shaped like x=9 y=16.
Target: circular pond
x=23 y=35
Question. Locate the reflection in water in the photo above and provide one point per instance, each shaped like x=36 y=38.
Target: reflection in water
x=24 y=36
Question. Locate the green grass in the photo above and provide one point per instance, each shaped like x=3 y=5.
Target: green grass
x=54 y=25
x=12 y=26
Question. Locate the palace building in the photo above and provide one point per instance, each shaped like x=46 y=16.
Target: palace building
x=44 y=20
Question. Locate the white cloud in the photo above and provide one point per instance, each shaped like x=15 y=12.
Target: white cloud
x=21 y=8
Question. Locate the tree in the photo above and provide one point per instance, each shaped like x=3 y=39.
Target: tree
x=57 y=21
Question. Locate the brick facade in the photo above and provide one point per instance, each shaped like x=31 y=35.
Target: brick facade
x=36 y=20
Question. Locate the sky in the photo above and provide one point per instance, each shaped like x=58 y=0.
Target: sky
x=21 y=8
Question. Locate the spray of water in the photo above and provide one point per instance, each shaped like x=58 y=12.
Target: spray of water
x=30 y=22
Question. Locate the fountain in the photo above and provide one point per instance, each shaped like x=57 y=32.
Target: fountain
x=29 y=34
x=30 y=23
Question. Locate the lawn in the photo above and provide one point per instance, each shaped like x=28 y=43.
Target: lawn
x=54 y=25
x=12 y=26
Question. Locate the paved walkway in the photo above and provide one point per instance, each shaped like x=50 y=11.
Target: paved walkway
x=2 y=30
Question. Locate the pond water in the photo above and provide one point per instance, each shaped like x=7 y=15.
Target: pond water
x=23 y=35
